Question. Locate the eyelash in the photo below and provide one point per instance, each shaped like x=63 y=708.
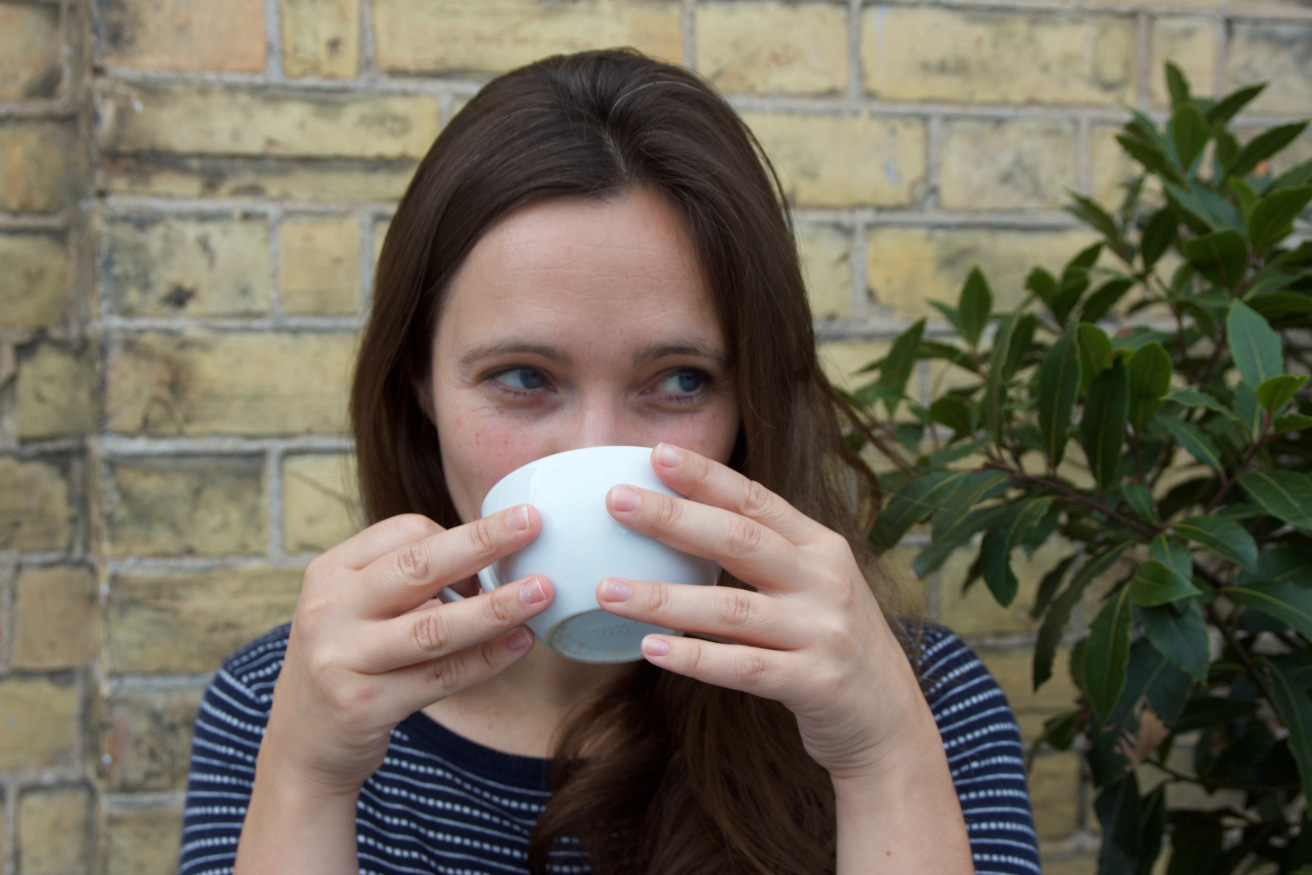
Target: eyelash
x=680 y=398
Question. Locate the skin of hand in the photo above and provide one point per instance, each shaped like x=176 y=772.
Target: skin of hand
x=370 y=645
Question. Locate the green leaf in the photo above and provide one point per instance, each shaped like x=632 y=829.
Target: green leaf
x=1292 y=422
x=995 y=383
x=1049 y=584
x=1287 y=496
x=1253 y=344
x=1272 y=219
x=1180 y=636
x=911 y=504
x=1043 y=284
x=1220 y=535
x=1106 y=297
x=1173 y=553
x=1247 y=409
x=1140 y=497
x=1227 y=107
x=1197 y=444
x=1189 y=133
x=1221 y=257
x=954 y=412
x=1095 y=354
x=1178 y=86
x=1263 y=146
x=1287 y=601
x=1106 y=653
x=1150 y=378
x=1088 y=211
x=1208 y=210
x=1295 y=177
x=950 y=314
x=929 y=559
x=1102 y=428
x=975 y=306
x=1152 y=156
x=1001 y=539
x=1191 y=398
x=1275 y=392
x=1288 y=677
x=1074 y=282
x=898 y=365
x=968 y=492
x=1059 y=383
x=1158 y=584
x=1158 y=235
x=1059 y=615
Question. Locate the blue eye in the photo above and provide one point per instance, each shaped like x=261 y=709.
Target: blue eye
x=521 y=379
x=685 y=382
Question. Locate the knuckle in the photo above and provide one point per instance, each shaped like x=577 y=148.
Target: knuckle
x=430 y=631
x=758 y=500
x=732 y=607
x=412 y=562
x=668 y=511
x=744 y=536
x=658 y=600
x=482 y=539
x=448 y=675
x=415 y=527
x=754 y=667
x=496 y=606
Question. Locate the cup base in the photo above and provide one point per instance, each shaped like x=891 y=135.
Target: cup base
x=600 y=637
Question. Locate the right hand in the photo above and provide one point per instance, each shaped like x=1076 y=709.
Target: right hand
x=370 y=645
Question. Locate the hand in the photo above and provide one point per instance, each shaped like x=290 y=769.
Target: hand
x=812 y=636
x=369 y=644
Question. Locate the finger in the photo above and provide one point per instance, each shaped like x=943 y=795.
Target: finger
x=708 y=482
x=415 y=687
x=413 y=573
x=446 y=629
x=382 y=538
x=725 y=612
x=765 y=673
x=745 y=548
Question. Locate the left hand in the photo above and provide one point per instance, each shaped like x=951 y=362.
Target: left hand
x=812 y=636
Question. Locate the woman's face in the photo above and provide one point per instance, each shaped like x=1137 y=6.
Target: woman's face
x=575 y=323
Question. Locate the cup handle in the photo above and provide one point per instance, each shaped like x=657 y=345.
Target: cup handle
x=485 y=583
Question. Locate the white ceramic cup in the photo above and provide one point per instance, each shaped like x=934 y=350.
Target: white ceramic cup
x=580 y=544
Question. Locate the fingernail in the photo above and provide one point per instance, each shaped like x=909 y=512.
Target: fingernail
x=521 y=639
x=653 y=646
x=624 y=498
x=668 y=455
x=532 y=591
x=613 y=590
x=517 y=519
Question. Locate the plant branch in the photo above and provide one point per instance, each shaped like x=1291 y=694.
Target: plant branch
x=1066 y=492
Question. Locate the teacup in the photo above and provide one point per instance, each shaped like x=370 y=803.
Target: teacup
x=580 y=544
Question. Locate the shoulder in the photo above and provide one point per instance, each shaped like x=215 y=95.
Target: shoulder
x=244 y=683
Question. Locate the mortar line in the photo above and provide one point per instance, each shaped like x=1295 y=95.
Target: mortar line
x=854 y=81
x=273 y=504
x=367 y=267
x=273 y=230
x=368 y=55
x=1222 y=49
x=228 y=324
x=1083 y=155
x=273 y=41
x=688 y=30
x=128 y=447
x=1143 y=60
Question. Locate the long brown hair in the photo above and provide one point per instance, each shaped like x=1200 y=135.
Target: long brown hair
x=658 y=774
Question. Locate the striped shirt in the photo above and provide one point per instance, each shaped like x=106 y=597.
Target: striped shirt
x=441 y=803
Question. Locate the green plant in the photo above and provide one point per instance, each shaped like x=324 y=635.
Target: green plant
x=1171 y=458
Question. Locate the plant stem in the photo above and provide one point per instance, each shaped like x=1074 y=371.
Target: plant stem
x=1066 y=492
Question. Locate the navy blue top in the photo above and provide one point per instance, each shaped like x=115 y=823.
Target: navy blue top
x=441 y=803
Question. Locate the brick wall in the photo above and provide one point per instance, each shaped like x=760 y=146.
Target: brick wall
x=192 y=196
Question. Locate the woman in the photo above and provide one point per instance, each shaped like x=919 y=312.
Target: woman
x=594 y=253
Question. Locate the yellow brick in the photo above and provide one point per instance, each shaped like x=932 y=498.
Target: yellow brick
x=829 y=161
x=56 y=392
x=1111 y=169
x=38 y=722
x=215 y=120
x=932 y=53
x=55 y=828
x=1065 y=862
x=905 y=267
x=320 y=37
x=841 y=359
x=827 y=266
x=57 y=618
x=1278 y=53
x=232 y=383
x=142 y=841
x=773 y=47
x=1054 y=783
x=321 y=505
x=319 y=265
x=35 y=510
x=1190 y=43
x=1014 y=671
x=35 y=279
x=186 y=506
x=217 y=35
x=146 y=739
x=173 y=265
x=313 y=182
x=1006 y=165
x=41 y=166
x=976 y=611
x=29 y=52
x=491 y=36
x=188 y=622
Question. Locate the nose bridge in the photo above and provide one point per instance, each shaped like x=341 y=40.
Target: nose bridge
x=601 y=421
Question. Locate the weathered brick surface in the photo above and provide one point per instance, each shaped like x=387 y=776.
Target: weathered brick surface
x=1006 y=165
x=333 y=181
x=827 y=266
x=249 y=383
x=38 y=721
x=1056 y=808
x=935 y=53
x=231 y=121
x=836 y=161
x=186 y=506
x=1014 y=670
x=29 y=52
x=445 y=36
x=219 y=35
x=320 y=37
x=189 y=621
x=319 y=265
x=1279 y=53
x=55 y=829
x=1190 y=43
x=773 y=47
x=42 y=168
x=56 y=617
x=176 y=265
x=35 y=279
x=36 y=510
x=142 y=841
x=321 y=505
x=146 y=738
x=56 y=391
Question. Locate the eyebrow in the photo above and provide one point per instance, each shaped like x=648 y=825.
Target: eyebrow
x=644 y=355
